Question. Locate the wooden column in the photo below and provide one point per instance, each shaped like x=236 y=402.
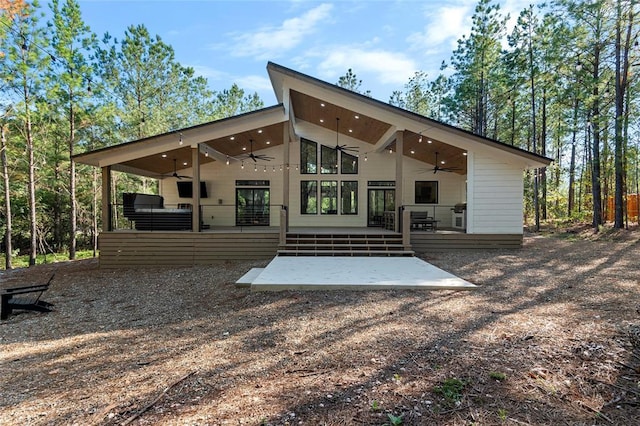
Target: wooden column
x=107 y=225
x=399 y=177
x=285 y=172
x=195 y=167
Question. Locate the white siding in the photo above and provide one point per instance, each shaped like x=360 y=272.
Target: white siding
x=496 y=191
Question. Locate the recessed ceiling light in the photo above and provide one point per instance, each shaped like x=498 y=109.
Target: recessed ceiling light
x=464 y=153
x=442 y=162
x=244 y=148
x=429 y=141
x=357 y=117
x=322 y=104
x=268 y=142
x=185 y=163
x=322 y=120
x=350 y=130
x=413 y=152
x=232 y=137
x=260 y=131
x=164 y=155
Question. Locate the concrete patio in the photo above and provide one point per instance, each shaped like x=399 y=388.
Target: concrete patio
x=350 y=273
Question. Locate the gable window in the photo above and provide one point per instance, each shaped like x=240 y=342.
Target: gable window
x=349 y=197
x=329 y=160
x=427 y=192
x=328 y=197
x=309 y=197
x=308 y=157
x=349 y=164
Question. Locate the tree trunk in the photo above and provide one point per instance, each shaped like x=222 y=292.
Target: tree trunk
x=94 y=218
x=72 y=181
x=536 y=199
x=596 y=187
x=543 y=151
x=7 y=203
x=33 y=230
x=572 y=162
x=622 y=67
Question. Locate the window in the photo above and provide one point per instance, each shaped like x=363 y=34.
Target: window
x=308 y=197
x=349 y=197
x=329 y=160
x=349 y=164
x=329 y=197
x=308 y=157
x=426 y=192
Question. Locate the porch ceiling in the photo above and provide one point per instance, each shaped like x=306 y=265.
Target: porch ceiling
x=371 y=130
x=162 y=164
x=234 y=146
x=423 y=148
x=238 y=144
x=324 y=114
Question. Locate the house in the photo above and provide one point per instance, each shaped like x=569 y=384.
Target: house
x=324 y=158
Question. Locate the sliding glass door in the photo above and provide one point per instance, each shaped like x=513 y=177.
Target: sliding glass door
x=252 y=207
x=380 y=200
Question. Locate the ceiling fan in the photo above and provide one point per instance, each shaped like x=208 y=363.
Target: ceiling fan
x=344 y=148
x=256 y=157
x=175 y=171
x=437 y=168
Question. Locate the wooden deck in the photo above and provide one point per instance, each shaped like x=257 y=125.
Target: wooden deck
x=184 y=248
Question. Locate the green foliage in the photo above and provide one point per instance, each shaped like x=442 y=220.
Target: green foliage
x=451 y=390
x=375 y=406
x=502 y=414
x=351 y=82
x=495 y=375
x=65 y=93
x=22 y=261
x=394 y=420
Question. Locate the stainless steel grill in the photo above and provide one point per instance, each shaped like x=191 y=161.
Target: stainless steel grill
x=459 y=216
x=460 y=208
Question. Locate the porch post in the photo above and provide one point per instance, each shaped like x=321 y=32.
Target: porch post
x=399 y=177
x=195 y=166
x=285 y=173
x=107 y=225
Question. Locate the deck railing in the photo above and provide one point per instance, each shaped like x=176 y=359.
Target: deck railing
x=179 y=217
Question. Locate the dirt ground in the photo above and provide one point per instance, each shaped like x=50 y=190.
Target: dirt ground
x=544 y=340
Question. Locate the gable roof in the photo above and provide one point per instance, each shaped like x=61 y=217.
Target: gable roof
x=283 y=79
x=303 y=99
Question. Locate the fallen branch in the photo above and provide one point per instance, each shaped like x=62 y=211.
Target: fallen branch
x=598 y=413
x=633 y=391
x=98 y=418
x=152 y=403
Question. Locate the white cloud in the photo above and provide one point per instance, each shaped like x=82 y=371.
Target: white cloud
x=254 y=83
x=270 y=42
x=445 y=24
x=209 y=73
x=386 y=67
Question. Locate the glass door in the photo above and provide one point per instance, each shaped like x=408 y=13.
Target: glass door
x=380 y=200
x=252 y=207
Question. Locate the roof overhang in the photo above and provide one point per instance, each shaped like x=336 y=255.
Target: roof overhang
x=159 y=155
x=311 y=99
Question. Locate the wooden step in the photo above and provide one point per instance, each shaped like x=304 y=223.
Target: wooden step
x=348 y=253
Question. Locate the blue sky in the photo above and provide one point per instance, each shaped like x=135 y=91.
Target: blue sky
x=384 y=42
